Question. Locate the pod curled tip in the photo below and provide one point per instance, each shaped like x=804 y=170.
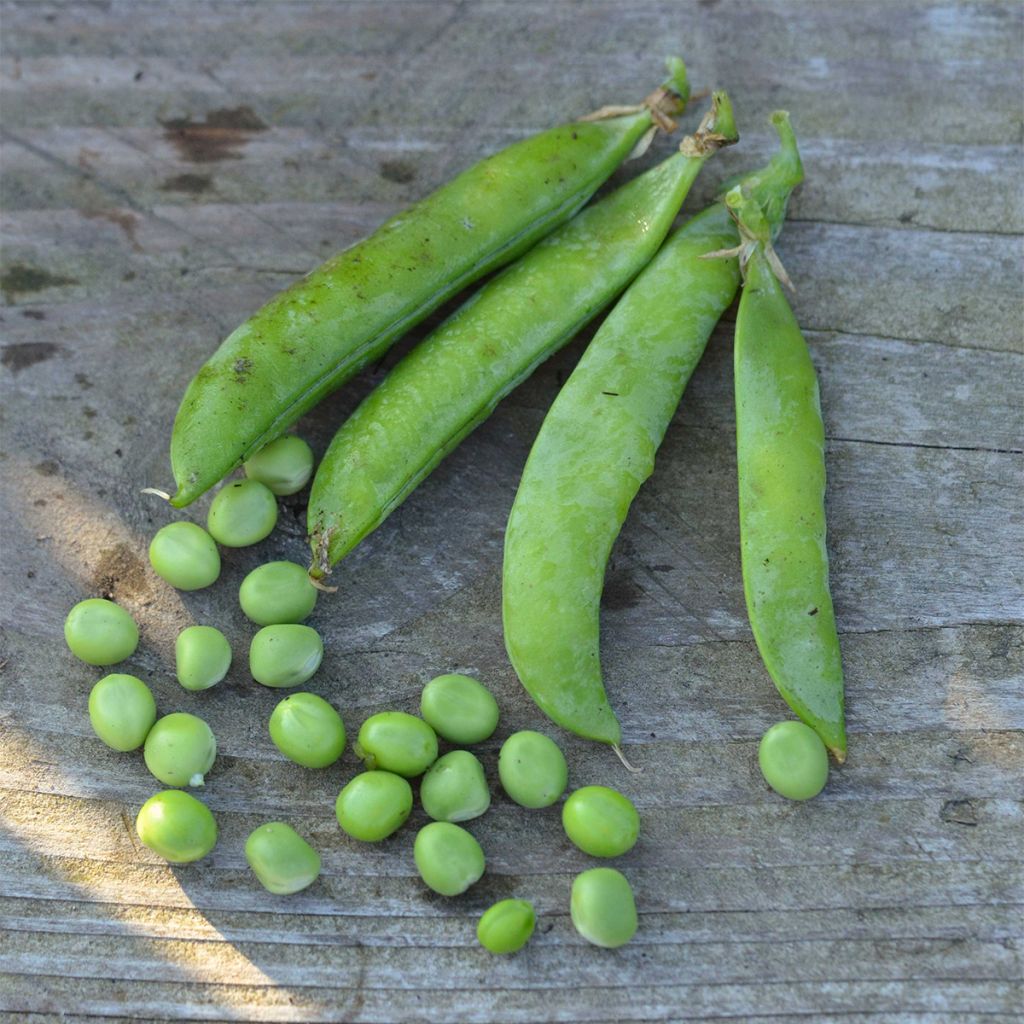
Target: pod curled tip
x=677 y=80
x=717 y=129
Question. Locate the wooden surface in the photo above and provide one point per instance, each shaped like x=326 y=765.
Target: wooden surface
x=168 y=166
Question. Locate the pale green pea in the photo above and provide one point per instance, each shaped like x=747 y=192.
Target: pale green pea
x=455 y=788
x=397 y=742
x=100 y=632
x=448 y=858
x=602 y=907
x=180 y=750
x=278 y=592
x=307 y=730
x=202 y=657
x=184 y=555
x=532 y=769
x=459 y=708
x=601 y=821
x=284 y=465
x=122 y=711
x=507 y=926
x=285 y=655
x=793 y=760
x=243 y=512
x=176 y=826
x=373 y=805
x=281 y=859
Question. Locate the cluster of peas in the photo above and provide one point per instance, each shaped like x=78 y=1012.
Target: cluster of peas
x=179 y=748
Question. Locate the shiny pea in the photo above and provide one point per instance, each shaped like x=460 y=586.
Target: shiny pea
x=793 y=760
x=281 y=859
x=184 y=555
x=100 y=632
x=601 y=821
x=448 y=858
x=397 y=742
x=176 y=826
x=373 y=805
x=602 y=907
x=307 y=730
x=202 y=657
x=532 y=769
x=285 y=655
x=243 y=512
x=278 y=592
x=459 y=708
x=455 y=788
x=284 y=465
x=506 y=926
x=122 y=711
x=180 y=749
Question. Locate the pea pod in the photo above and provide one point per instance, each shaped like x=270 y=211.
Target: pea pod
x=780 y=458
x=312 y=337
x=597 y=446
x=453 y=380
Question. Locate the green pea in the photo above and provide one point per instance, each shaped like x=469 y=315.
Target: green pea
x=243 y=512
x=278 y=592
x=374 y=805
x=100 y=632
x=794 y=761
x=601 y=821
x=507 y=926
x=285 y=655
x=284 y=465
x=459 y=708
x=532 y=769
x=122 y=711
x=184 y=555
x=307 y=730
x=454 y=788
x=602 y=907
x=176 y=826
x=448 y=858
x=397 y=742
x=281 y=859
x=180 y=749
x=202 y=657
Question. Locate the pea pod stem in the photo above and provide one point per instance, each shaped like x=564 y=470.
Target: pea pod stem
x=453 y=380
x=312 y=337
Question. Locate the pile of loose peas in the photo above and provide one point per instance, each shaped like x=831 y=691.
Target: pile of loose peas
x=179 y=748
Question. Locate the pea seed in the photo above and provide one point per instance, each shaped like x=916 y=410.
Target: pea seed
x=176 y=826
x=285 y=655
x=397 y=742
x=122 y=711
x=180 y=750
x=454 y=788
x=507 y=926
x=459 y=708
x=284 y=465
x=374 y=805
x=600 y=821
x=184 y=555
x=307 y=730
x=532 y=769
x=243 y=512
x=202 y=657
x=281 y=859
x=602 y=907
x=448 y=858
x=100 y=632
x=793 y=760
x=278 y=592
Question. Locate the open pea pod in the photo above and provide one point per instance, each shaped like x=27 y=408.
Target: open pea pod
x=310 y=338
x=597 y=445
x=453 y=379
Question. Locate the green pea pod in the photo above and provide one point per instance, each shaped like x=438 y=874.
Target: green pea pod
x=597 y=446
x=780 y=458
x=312 y=337
x=453 y=380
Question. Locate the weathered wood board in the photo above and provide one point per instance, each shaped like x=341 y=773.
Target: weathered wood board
x=168 y=166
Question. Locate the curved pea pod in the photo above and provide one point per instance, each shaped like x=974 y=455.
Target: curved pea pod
x=780 y=458
x=452 y=381
x=310 y=338
x=597 y=446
